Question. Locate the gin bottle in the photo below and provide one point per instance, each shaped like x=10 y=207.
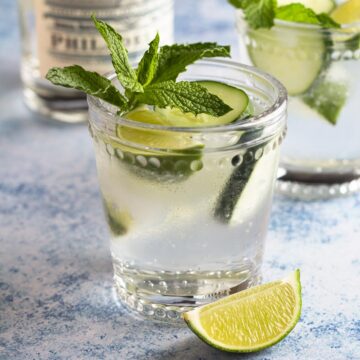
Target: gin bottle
x=61 y=33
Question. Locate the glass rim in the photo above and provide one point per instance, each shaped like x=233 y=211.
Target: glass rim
x=266 y=118
x=305 y=26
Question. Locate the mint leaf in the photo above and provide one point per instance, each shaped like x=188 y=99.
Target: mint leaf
x=148 y=64
x=125 y=73
x=240 y=4
x=301 y=14
x=260 y=13
x=186 y=96
x=91 y=83
x=297 y=13
x=326 y=21
x=175 y=58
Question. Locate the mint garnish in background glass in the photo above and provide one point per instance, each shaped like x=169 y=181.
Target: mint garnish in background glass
x=261 y=13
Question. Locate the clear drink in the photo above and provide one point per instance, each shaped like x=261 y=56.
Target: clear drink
x=61 y=33
x=188 y=225
x=321 y=70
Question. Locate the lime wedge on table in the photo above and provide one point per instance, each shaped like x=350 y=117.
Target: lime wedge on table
x=347 y=13
x=250 y=320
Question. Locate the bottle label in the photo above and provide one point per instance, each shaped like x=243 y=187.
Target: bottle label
x=66 y=35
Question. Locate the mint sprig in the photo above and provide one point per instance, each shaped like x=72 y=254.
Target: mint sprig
x=154 y=80
x=262 y=13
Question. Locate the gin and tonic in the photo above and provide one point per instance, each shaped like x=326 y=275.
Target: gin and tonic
x=320 y=68
x=188 y=207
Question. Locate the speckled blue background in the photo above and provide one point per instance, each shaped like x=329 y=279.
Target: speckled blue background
x=56 y=297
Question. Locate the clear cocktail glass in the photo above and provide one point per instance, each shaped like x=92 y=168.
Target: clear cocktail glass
x=188 y=208
x=321 y=70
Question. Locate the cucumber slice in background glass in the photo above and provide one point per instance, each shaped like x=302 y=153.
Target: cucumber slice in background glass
x=294 y=56
x=327 y=96
x=236 y=98
x=353 y=43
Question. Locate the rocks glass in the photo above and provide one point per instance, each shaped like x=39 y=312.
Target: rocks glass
x=321 y=70
x=188 y=208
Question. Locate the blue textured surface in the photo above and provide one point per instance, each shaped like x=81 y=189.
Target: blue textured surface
x=56 y=297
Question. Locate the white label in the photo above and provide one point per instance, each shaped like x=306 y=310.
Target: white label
x=66 y=35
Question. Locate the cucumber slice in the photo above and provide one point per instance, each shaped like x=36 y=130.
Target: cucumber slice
x=232 y=96
x=318 y=6
x=327 y=96
x=118 y=221
x=295 y=58
x=353 y=43
x=238 y=181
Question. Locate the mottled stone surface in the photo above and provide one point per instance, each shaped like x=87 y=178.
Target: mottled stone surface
x=56 y=297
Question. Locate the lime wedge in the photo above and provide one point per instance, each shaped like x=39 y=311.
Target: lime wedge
x=347 y=13
x=250 y=320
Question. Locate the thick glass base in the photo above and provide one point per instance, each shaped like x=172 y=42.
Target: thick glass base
x=69 y=110
x=164 y=296
x=317 y=187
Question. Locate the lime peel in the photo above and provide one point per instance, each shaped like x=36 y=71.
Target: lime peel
x=347 y=12
x=251 y=320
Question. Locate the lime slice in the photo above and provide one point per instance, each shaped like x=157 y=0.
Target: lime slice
x=347 y=13
x=250 y=320
x=156 y=138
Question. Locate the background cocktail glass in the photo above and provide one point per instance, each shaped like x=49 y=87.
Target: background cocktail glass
x=321 y=70
x=188 y=208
